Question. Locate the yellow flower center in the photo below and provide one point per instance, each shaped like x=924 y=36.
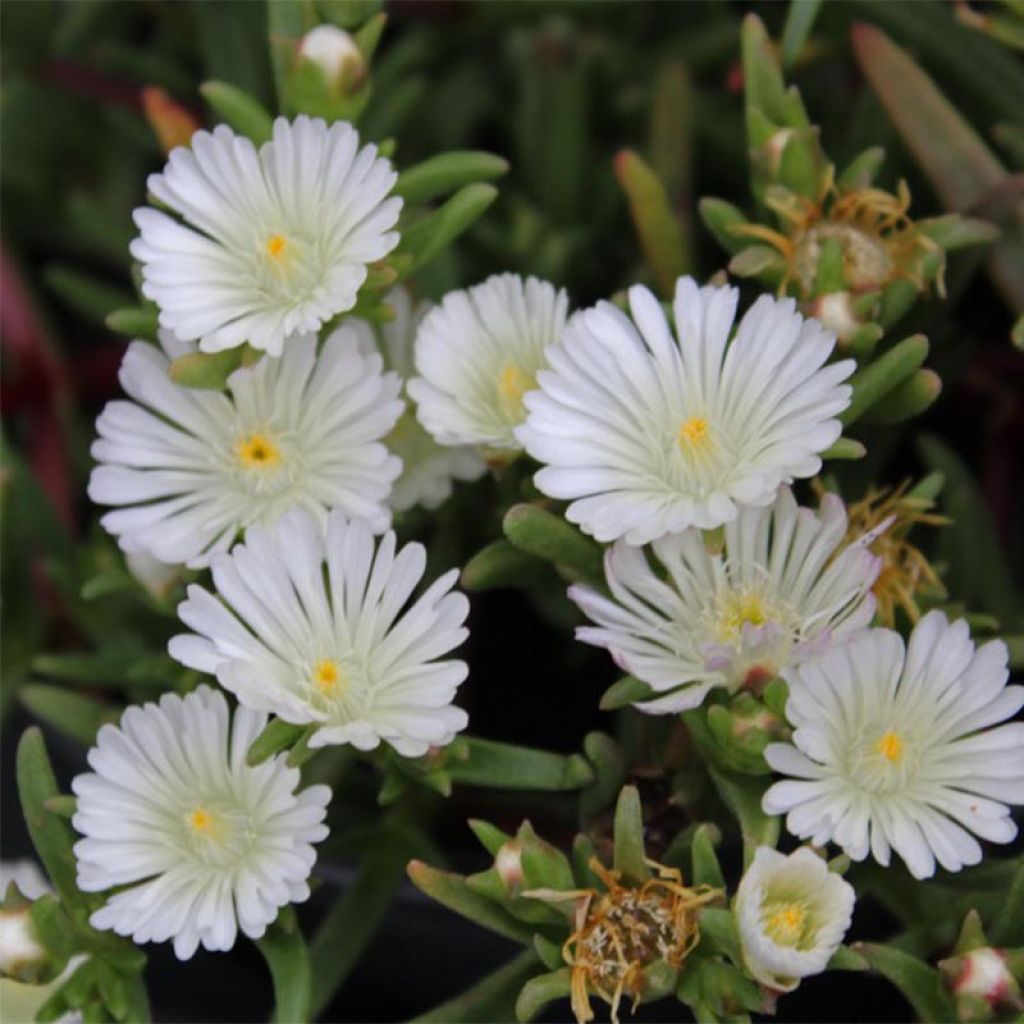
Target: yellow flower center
x=201 y=820
x=738 y=609
x=785 y=924
x=890 y=746
x=276 y=245
x=512 y=385
x=257 y=451
x=327 y=676
x=693 y=433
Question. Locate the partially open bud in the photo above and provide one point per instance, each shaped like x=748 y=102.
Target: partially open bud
x=792 y=914
x=22 y=957
x=981 y=977
x=508 y=862
x=337 y=55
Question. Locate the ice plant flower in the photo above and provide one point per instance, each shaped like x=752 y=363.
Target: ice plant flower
x=189 y=469
x=428 y=468
x=623 y=930
x=777 y=593
x=312 y=625
x=198 y=843
x=906 y=574
x=647 y=433
x=478 y=354
x=792 y=914
x=336 y=53
x=898 y=747
x=271 y=243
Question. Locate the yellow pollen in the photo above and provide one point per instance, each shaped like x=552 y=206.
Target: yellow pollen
x=276 y=245
x=327 y=676
x=890 y=746
x=694 y=432
x=512 y=385
x=201 y=820
x=786 y=925
x=257 y=452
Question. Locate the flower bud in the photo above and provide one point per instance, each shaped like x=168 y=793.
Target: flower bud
x=792 y=914
x=21 y=955
x=979 y=976
x=508 y=862
x=337 y=55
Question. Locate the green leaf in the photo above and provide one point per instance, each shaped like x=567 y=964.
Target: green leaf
x=656 y=224
x=609 y=766
x=70 y=713
x=1008 y=928
x=287 y=22
x=845 y=959
x=427 y=237
x=277 y=735
x=539 y=532
x=721 y=219
x=240 y=110
x=911 y=398
x=742 y=795
x=206 y=370
x=958 y=164
x=917 y=981
x=502 y=564
x=446 y=172
x=629 y=856
x=720 y=934
x=628 y=690
x=706 y=869
x=846 y=448
x=354 y=917
x=135 y=322
x=860 y=172
x=51 y=834
x=876 y=380
x=284 y=949
x=491 y=838
x=799 y=20
x=89 y=297
x=477 y=762
x=493 y=998
x=540 y=991
x=452 y=891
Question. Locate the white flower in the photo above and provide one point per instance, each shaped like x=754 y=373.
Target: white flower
x=792 y=914
x=478 y=353
x=428 y=468
x=649 y=433
x=336 y=53
x=893 y=750
x=205 y=843
x=778 y=593
x=191 y=468
x=310 y=626
x=274 y=242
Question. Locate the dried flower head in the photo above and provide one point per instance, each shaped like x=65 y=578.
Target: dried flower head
x=878 y=242
x=888 y=515
x=625 y=929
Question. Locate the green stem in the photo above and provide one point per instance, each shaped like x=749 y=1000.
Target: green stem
x=284 y=949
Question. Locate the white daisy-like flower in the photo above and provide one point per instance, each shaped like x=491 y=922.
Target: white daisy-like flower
x=792 y=914
x=428 y=468
x=780 y=591
x=477 y=355
x=893 y=747
x=649 y=433
x=189 y=468
x=204 y=843
x=271 y=243
x=313 y=626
